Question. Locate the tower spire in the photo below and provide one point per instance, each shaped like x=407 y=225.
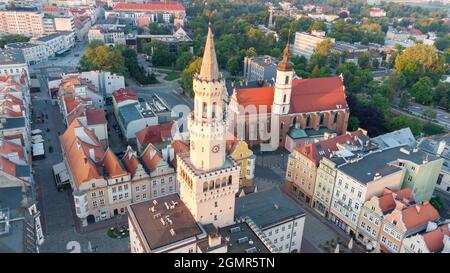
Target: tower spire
x=285 y=64
x=209 y=70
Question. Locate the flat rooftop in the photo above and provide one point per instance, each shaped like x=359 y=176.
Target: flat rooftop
x=240 y=238
x=266 y=208
x=11 y=56
x=178 y=218
x=365 y=168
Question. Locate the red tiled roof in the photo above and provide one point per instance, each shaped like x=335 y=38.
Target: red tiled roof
x=130 y=161
x=7 y=166
x=308 y=95
x=154 y=134
x=124 y=94
x=418 y=215
x=151 y=157
x=8 y=147
x=179 y=147
x=112 y=165
x=95 y=116
x=78 y=152
x=390 y=199
x=314 y=150
x=435 y=238
x=151 y=6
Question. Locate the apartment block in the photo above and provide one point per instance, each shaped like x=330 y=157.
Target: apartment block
x=305 y=43
x=22 y=22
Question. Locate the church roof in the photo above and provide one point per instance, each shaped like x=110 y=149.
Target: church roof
x=308 y=95
x=210 y=69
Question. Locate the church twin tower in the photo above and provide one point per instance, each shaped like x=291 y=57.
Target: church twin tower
x=209 y=179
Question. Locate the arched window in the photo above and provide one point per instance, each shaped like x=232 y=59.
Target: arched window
x=335 y=117
x=308 y=121
x=322 y=117
x=205 y=186
x=230 y=180
x=213 y=114
x=211 y=185
x=224 y=182
x=205 y=110
x=286 y=81
x=217 y=184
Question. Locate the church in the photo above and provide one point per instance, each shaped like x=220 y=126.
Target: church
x=202 y=217
x=306 y=109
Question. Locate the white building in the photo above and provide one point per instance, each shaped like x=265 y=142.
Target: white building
x=305 y=43
x=435 y=239
x=105 y=81
x=280 y=218
x=13 y=63
x=40 y=49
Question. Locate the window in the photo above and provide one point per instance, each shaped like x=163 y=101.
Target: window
x=162 y=181
x=286 y=80
x=120 y=196
x=94 y=194
x=144 y=196
x=215 y=217
x=155 y=193
x=359 y=194
x=170 y=179
x=114 y=198
x=275 y=241
x=126 y=195
x=163 y=191
x=440 y=179
x=119 y=188
x=125 y=187
x=114 y=189
x=144 y=187
x=170 y=189
x=284 y=98
x=383 y=239
x=215 y=204
x=154 y=183
x=270 y=233
x=138 y=197
x=102 y=202
x=94 y=204
x=276 y=231
x=137 y=188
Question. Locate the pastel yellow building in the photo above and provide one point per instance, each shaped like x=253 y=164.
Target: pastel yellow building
x=243 y=156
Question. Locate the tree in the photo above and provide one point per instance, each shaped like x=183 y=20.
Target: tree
x=251 y=52
x=400 y=122
x=405 y=98
x=13 y=38
x=364 y=60
x=233 y=66
x=437 y=203
x=184 y=60
x=423 y=90
x=420 y=60
x=315 y=73
x=433 y=129
x=353 y=123
x=188 y=73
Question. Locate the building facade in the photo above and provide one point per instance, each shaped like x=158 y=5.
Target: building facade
x=305 y=43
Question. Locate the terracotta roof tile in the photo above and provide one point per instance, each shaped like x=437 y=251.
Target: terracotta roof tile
x=155 y=134
x=151 y=157
x=95 y=116
x=131 y=161
x=316 y=151
x=435 y=239
x=83 y=151
x=124 y=94
x=179 y=147
x=417 y=215
x=112 y=165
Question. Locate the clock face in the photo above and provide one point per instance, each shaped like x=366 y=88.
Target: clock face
x=215 y=148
